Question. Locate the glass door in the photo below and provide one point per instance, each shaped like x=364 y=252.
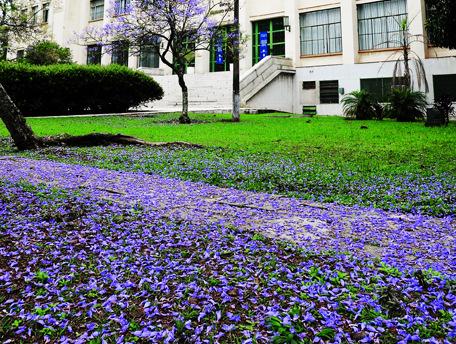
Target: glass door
x=268 y=39
x=221 y=50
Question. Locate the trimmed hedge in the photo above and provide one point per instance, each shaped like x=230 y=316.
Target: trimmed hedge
x=73 y=89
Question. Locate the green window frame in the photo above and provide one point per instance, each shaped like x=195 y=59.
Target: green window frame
x=190 y=57
x=228 y=59
x=276 y=37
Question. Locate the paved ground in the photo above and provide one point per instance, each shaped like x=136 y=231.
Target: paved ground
x=421 y=241
x=151 y=111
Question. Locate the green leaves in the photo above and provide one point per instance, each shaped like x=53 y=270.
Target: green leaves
x=73 y=89
x=41 y=276
x=327 y=333
x=285 y=336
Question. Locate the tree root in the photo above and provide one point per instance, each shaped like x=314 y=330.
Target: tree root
x=98 y=139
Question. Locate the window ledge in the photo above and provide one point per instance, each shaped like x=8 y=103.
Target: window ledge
x=379 y=50
x=95 y=20
x=321 y=55
x=152 y=70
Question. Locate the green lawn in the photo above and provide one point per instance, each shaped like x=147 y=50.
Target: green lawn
x=383 y=164
x=385 y=144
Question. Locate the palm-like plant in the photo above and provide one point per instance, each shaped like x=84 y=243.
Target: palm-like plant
x=406 y=105
x=407 y=64
x=360 y=105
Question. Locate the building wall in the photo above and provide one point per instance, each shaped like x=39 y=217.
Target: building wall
x=69 y=17
x=212 y=90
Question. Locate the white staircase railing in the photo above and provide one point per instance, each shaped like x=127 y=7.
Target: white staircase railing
x=260 y=75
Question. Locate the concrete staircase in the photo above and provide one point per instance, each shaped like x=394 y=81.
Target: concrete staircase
x=265 y=86
x=263 y=74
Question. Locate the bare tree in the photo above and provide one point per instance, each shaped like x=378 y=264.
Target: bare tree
x=175 y=29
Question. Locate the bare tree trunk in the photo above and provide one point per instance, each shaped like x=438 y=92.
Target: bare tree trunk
x=405 y=48
x=20 y=132
x=184 y=118
x=236 y=66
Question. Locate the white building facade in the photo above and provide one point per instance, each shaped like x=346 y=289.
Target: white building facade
x=297 y=53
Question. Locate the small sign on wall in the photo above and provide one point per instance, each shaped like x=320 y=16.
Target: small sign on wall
x=219 y=59
x=264 y=45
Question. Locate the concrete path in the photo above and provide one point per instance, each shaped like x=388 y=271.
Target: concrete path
x=402 y=239
x=150 y=111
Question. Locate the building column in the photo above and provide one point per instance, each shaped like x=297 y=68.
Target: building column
x=350 y=43
x=246 y=31
x=202 y=61
x=292 y=37
x=416 y=16
x=57 y=22
x=133 y=61
x=106 y=57
x=75 y=19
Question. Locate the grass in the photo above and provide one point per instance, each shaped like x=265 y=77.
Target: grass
x=330 y=159
x=385 y=144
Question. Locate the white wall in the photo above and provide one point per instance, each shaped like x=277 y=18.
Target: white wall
x=205 y=90
x=277 y=95
x=349 y=78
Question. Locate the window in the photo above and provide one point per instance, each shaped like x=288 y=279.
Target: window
x=445 y=86
x=189 y=38
x=321 y=32
x=268 y=39
x=93 y=54
x=148 y=55
x=221 y=52
x=121 y=6
x=96 y=9
x=190 y=58
x=119 y=53
x=329 y=92
x=45 y=12
x=34 y=14
x=378 y=87
x=379 y=24
x=20 y=54
x=309 y=85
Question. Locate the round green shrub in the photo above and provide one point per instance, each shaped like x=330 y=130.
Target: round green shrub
x=74 y=89
x=45 y=53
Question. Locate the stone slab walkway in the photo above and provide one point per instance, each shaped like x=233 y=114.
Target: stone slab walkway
x=403 y=239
